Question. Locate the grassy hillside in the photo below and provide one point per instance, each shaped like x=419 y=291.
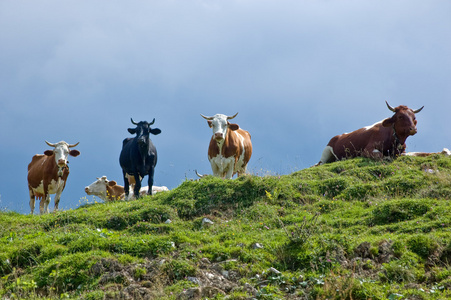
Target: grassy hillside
x=355 y=229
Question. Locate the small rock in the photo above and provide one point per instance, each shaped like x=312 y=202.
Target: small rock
x=207 y=222
x=168 y=221
x=257 y=246
x=194 y=280
x=274 y=271
x=205 y=260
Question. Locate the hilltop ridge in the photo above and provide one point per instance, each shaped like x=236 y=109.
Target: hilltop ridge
x=354 y=229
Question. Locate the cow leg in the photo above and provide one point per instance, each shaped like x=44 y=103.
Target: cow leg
x=150 y=181
x=328 y=155
x=44 y=205
x=229 y=173
x=126 y=185
x=215 y=169
x=57 y=201
x=137 y=186
x=32 y=201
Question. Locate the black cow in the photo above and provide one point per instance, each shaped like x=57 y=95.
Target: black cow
x=139 y=156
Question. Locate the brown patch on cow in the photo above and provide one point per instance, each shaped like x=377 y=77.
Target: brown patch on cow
x=114 y=191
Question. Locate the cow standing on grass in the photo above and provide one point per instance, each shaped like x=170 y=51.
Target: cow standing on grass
x=139 y=156
x=47 y=174
x=385 y=138
x=230 y=147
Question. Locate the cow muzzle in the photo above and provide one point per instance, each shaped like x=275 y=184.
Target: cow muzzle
x=218 y=136
x=87 y=191
x=413 y=131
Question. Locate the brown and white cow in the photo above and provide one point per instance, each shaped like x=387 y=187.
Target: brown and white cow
x=109 y=190
x=385 y=138
x=230 y=147
x=47 y=174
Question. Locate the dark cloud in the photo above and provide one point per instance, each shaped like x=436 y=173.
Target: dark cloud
x=298 y=73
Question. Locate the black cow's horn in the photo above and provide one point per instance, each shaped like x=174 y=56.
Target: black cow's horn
x=418 y=110
x=133 y=122
x=50 y=144
x=151 y=123
x=230 y=118
x=389 y=107
x=206 y=118
x=74 y=145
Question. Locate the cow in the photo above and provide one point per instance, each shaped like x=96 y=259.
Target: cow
x=47 y=174
x=230 y=147
x=139 y=156
x=109 y=190
x=386 y=138
x=445 y=152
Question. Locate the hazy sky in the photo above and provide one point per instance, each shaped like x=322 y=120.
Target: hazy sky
x=298 y=72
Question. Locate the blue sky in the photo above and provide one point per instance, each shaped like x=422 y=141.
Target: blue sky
x=298 y=73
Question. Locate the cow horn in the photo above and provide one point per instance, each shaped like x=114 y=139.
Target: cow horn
x=50 y=144
x=230 y=118
x=134 y=123
x=74 y=145
x=206 y=118
x=418 y=110
x=389 y=107
x=151 y=123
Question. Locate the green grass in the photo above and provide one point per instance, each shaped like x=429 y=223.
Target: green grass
x=355 y=229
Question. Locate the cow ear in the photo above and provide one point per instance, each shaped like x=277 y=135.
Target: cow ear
x=112 y=183
x=48 y=152
x=155 y=131
x=74 y=153
x=209 y=123
x=233 y=126
x=387 y=122
x=132 y=130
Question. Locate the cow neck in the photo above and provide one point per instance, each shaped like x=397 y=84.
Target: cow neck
x=62 y=169
x=144 y=153
x=397 y=144
x=223 y=142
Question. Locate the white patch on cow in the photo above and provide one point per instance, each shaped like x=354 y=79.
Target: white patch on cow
x=372 y=126
x=221 y=165
x=98 y=188
x=61 y=152
x=55 y=187
x=327 y=155
x=376 y=151
x=219 y=125
x=40 y=188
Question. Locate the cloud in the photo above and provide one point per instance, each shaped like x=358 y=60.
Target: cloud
x=298 y=73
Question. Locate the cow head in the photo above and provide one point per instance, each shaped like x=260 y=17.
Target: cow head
x=403 y=121
x=98 y=187
x=220 y=124
x=142 y=131
x=61 y=150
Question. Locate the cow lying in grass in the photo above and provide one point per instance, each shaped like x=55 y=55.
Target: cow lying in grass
x=109 y=190
x=445 y=151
